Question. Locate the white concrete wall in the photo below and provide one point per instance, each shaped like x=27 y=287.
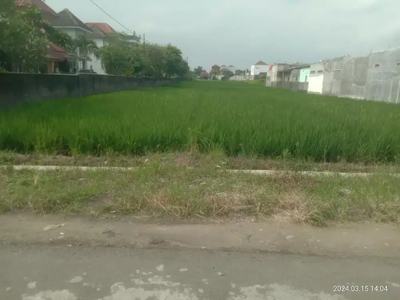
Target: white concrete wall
x=257 y=69
x=241 y=78
x=274 y=73
x=316 y=84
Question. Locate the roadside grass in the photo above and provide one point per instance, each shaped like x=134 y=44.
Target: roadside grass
x=186 y=193
x=236 y=118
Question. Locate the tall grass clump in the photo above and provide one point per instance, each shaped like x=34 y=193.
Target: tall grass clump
x=238 y=118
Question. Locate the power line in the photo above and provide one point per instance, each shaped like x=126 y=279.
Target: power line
x=111 y=16
x=103 y=10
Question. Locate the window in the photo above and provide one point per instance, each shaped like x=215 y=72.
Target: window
x=312 y=72
x=320 y=71
x=377 y=65
x=398 y=64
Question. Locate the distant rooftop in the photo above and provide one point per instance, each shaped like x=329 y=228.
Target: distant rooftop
x=68 y=19
x=104 y=27
x=97 y=33
x=36 y=3
x=261 y=63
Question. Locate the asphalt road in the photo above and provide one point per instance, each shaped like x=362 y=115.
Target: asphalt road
x=69 y=272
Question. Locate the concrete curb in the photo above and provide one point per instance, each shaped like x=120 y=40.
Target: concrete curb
x=310 y=173
x=67 y=168
x=254 y=172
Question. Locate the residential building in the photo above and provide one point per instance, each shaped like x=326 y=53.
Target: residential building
x=215 y=69
x=299 y=73
x=283 y=72
x=55 y=57
x=69 y=23
x=99 y=36
x=232 y=69
x=106 y=29
x=289 y=76
x=75 y=28
x=56 y=54
x=260 y=67
x=204 y=75
x=103 y=27
x=304 y=74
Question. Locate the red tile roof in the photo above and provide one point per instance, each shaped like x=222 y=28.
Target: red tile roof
x=104 y=27
x=37 y=3
x=57 y=53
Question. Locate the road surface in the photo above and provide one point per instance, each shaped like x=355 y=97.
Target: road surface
x=73 y=268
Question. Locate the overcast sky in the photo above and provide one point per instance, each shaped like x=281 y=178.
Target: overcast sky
x=242 y=32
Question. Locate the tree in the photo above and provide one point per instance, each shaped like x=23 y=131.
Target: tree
x=175 y=64
x=198 y=70
x=85 y=47
x=156 y=61
x=226 y=74
x=20 y=38
x=25 y=37
x=134 y=59
x=119 y=39
x=239 y=72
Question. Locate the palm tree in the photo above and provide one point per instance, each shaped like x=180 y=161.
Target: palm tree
x=85 y=47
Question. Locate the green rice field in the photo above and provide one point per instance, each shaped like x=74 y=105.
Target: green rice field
x=237 y=118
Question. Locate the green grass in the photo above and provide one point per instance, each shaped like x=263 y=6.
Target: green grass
x=237 y=118
x=178 y=192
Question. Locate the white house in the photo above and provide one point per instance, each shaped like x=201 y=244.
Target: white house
x=260 y=67
x=75 y=28
x=232 y=69
x=99 y=36
x=316 y=81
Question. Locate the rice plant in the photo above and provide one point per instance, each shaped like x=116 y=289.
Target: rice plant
x=237 y=118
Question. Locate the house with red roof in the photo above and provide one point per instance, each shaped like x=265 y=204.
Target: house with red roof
x=204 y=75
x=100 y=35
x=106 y=29
x=103 y=27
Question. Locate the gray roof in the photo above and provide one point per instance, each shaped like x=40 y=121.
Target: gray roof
x=68 y=19
x=97 y=33
x=261 y=63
